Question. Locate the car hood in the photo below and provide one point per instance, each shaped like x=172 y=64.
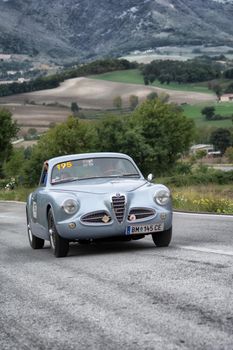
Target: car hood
x=102 y=186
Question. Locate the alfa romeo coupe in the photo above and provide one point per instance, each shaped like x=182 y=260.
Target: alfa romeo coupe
x=96 y=196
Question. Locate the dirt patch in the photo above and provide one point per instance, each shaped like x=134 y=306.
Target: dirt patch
x=38 y=115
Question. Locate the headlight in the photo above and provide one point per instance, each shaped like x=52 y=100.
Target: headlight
x=70 y=206
x=162 y=197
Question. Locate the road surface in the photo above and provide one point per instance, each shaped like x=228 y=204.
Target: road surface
x=118 y=295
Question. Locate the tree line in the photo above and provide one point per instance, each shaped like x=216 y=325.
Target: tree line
x=191 y=71
x=165 y=71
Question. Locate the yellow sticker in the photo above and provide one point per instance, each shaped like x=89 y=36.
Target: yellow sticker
x=62 y=166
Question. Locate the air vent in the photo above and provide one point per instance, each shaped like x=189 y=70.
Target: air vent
x=118 y=203
x=100 y=217
x=140 y=213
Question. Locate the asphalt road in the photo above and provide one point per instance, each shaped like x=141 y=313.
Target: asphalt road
x=118 y=295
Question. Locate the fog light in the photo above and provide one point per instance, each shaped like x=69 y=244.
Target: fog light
x=72 y=225
x=163 y=216
x=132 y=217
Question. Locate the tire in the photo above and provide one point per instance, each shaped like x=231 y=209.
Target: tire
x=59 y=245
x=162 y=239
x=35 y=242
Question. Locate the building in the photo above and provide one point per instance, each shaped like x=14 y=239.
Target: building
x=4 y=57
x=226 y=98
x=201 y=147
x=209 y=149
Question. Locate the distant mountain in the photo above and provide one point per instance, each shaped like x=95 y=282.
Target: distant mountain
x=64 y=29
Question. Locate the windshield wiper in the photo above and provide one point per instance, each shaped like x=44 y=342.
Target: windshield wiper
x=62 y=181
x=130 y=174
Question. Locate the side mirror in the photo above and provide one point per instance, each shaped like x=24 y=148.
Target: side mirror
x=150 y=177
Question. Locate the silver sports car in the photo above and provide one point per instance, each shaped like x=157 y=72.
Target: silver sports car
x=96 y=196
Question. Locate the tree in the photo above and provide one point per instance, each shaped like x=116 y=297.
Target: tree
x=208 y=112
x=152 y=95
x=118 y=134
x=228 y=74
x=117 y=102
x=229 y=154
x=229 y=89
x=166 y=132
x=8 y=130
x=74 y=108
x=146 y=80
x=200 y=154
x=221 y=139
x=70 y=137
x=218 y=91
x=133 y=102
x=15 y=166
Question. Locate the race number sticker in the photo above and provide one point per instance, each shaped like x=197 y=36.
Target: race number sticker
x=64 y=165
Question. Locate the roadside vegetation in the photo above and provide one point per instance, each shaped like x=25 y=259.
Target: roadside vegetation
x=208 y=199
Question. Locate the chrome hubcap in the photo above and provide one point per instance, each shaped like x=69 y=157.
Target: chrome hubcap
x=52 y=238
x=29 y=233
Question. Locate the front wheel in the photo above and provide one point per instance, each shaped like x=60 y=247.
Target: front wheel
x=59 y=245
x=35 y=242
x=162 y=239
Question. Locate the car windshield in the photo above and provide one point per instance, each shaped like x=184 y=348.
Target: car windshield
x=93 y=168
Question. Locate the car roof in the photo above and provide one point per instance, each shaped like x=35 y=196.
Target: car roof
x=69 y=157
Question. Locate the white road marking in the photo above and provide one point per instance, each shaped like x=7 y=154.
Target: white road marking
x=220 y=216
x=206 y=250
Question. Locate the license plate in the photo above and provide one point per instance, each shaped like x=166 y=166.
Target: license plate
x=141 y=229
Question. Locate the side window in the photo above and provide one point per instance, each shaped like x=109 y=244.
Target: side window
x=44 y=174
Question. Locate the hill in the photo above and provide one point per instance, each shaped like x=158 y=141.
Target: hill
x=64 y=29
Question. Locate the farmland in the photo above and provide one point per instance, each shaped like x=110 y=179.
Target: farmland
x=95 y=94
x=43 y=107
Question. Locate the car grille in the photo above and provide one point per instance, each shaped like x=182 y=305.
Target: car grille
x=118 y=203
x=100 y=217
x=141 y=213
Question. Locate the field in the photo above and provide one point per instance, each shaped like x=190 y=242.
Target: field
x=192 y=110
x=95 y=96
x=133 y=76
x=223 y=108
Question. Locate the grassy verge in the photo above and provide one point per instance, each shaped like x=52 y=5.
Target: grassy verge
x=211 y=198
x=18 y=194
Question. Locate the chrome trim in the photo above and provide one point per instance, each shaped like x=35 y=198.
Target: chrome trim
x=95 y=215
x=119 y=205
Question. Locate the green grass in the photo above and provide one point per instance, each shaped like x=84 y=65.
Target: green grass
x=131 y=76
x=134 y=76
x=222 y=108
x=18 y=194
